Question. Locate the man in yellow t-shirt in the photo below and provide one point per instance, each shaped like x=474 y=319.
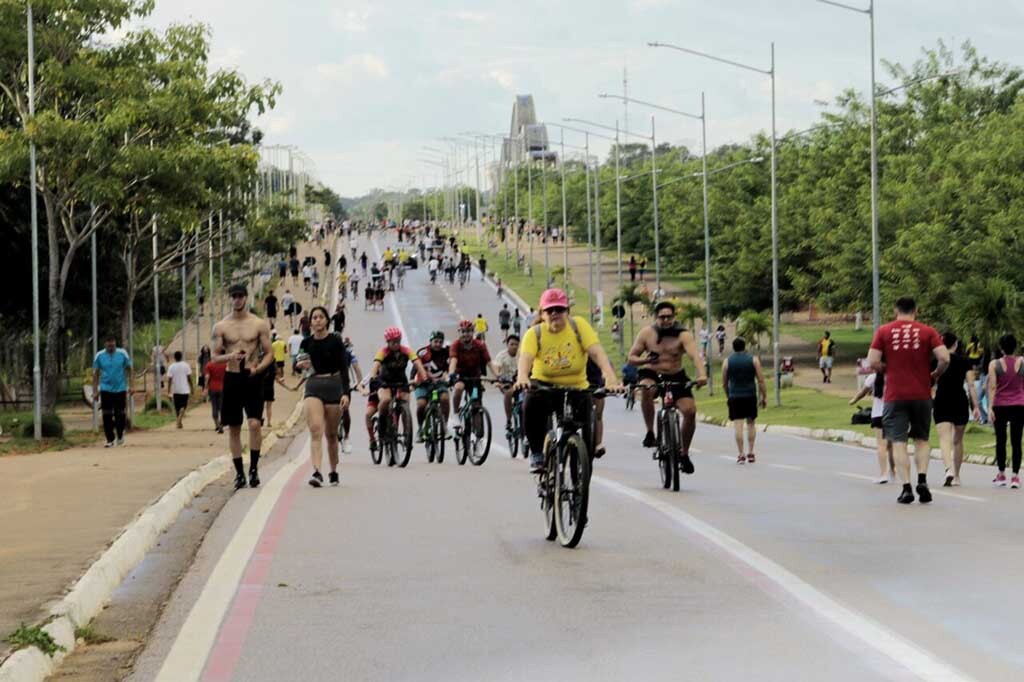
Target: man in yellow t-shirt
x=826 y=354
x=480 y=327
x=388 y=254
x=555 y=351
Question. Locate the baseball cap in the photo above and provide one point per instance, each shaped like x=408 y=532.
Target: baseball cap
x=554 y=298
x=238 y=289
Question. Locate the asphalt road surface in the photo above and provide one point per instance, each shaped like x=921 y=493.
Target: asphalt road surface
x=797 y=567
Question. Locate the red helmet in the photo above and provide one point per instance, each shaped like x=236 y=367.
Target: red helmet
x=466 y=326
x=392 y=334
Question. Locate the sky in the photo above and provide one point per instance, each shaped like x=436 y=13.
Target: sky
x=367 y=84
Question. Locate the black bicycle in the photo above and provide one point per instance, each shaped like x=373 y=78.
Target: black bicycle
x=394 y=432
x=432 y=432
x=514 y=433
x=564 y=485
x=473 y=437
x=668 y=425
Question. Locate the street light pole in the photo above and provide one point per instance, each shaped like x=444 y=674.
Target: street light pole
x=95 y=321
x=565 y=222
x=156 y=318
x=770 y=72
x=657 y=237
x=618 y=223
x=590 y=227
x=37 y=376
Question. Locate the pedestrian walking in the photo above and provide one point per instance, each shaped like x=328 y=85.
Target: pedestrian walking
x=201 y=362
x=304 y=326
x=952 y=406
x=111 y=376
x=282 y=268
x=294 y=343
x=720 y=337
x=214 y=391
x=904 y=349
x=293 y=264
x=744 y=386
x=315 y=281
x=307 y=276
x=826 y=355
x=1006 y=396
x=517 y=323
x=874 y=386
x=270 y=304
x=483 y=268
x=504 y=321
x=643 y=267
x=179 y=388
x=632 y=268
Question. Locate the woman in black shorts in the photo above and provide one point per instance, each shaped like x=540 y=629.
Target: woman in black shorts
x=324 y=358
x=951 y=407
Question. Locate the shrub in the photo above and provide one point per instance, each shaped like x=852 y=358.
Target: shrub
x=52 y=425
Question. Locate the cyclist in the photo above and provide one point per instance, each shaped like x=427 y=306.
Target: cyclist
x=435 y=361
x=480 y=327
x=389 y=374
x=343 y=284
x=354 y=279
x=555 y=351
x=468 y=361
x=658 y=353
x=508 y=366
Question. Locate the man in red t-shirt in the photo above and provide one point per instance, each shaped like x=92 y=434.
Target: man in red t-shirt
x=903 y=350
x=468 y=360
x=215 y=390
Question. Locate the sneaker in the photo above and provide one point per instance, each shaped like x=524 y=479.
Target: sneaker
x=882 y=480
x=649 y=440
x=906 y=497
x=741 y=459
x=536 y=462
x=346 y=446
x=332 y=478
x=686 y=464
x=239 y=481
x=956 y=481
x=120 y=442
x=109 y=444
x=924 y=496
x=599 y=452
x=1000 y=480
x=1015 y=481
x=316 y=480
x=948 y=483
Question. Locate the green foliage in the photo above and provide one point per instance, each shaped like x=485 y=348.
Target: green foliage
x=26 y=636
x=89 y=635
x=753 y=325
x=52 y=427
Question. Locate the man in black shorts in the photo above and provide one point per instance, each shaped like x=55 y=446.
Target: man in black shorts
x=242 y=340
x=742 y=379
x=658 y=351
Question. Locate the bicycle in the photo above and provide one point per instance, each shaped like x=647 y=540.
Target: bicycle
x=514 y=433
x=463 y=277
x=564 y=485
x=394 y=432
x=432 y=432
x=630 y=397
x=669 y=432
x=473 y=439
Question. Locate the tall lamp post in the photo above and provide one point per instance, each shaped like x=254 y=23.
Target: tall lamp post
x=770 y=72
x=875 y=263
x=702 y=117
x=37 y=383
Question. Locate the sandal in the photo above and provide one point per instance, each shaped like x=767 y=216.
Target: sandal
x=750 y=458
x=741 y=459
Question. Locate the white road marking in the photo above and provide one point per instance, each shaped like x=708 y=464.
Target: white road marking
x=859 y=477
x=872 y=634
x=787 y=467
x=631 y=434
x=727 y=458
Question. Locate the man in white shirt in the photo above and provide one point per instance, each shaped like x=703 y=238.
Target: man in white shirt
x=294 y=344
x=288 y=301
x=432 y=268
x=180 y=385
x=307 y=276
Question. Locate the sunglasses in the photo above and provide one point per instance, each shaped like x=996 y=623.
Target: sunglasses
x=557 y=309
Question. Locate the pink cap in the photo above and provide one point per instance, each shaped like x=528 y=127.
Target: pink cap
x=553 y=298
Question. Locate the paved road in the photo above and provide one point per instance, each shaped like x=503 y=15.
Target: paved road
x=797 y=567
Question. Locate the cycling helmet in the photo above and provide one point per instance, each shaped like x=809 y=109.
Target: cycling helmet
x=437 y=334
x=466 y=326
x=392 y=334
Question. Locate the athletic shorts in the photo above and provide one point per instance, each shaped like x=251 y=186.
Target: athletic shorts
x=377 y=384
x=326 y=389
x=268 y=384
x=423 y=391
x=677 y=382
x=876 y=422
x=952 y=411
x=743 y=408
x=180 y=401
x=242 y=392
x=825 y=362
x=906 y=418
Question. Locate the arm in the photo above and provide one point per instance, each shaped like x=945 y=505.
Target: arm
x=96 y=383
x=762 y=388
x=941 y=354
x=991 y=388
x=860 y=394
x=421 y=371
x=452 y=364
x=875 y=360
x=638 y=351
x=600 y=358
x=268 y=350
x=725 y=378
x=690 y=346
x=523 y=369
x=972 y=395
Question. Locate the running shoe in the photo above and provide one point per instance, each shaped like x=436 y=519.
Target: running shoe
x=882 y=480
x=924 y=496
x=536 y=462
x=1015 y=481
x=1000 y=480
x=906 y=497
x=949 y=479
x=316 y=480
x=109 y=444
x=599 y=452
x=120 y=442
x=346 y=446
x=649 y=440
x=741 y=459
x=254 y=478
x=332 y=478
x=686 y=464
x=239 y=481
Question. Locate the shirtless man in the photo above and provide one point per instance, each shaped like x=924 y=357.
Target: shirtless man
x=658 y=351
x=239 y=338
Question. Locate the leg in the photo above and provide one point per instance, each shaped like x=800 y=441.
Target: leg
x=751 y=435
x=884 y=452
x=958 y=449
x=446 y=406
x=215 y=404
x=421 y=410
x=268 y=407
x=371 y=409
x=507 y=401
x=315 y=421
x=459 y=388
x=902 y=458
x=108 y=422
x=598 y=423
x=1000 y=423
x=1016 y=433
x=332 y=415
x=737 y=425
x=945 y=430
x=688 y=408
x=235 y=441
x=647 y=404
x=255 y=434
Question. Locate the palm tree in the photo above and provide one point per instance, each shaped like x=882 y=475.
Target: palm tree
x=629 y=295
x=752 y=325
x=986 y=307
x=689 y=312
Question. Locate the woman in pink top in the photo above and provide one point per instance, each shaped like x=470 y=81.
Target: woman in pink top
x=1006 y=395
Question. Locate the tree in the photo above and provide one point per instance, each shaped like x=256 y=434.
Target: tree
x=986 y=307
x=752 y=325
x=629 y=295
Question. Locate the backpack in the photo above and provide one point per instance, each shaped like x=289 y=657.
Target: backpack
x=861 y=416
x=572 y=323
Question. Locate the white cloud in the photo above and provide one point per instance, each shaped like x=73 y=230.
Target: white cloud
x=357 y=67
x=275 y=124
x=351 y=20
x=503 y=78
x=230 y=57
x=471 y=16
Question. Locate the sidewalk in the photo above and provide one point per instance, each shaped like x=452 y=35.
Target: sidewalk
x=62 y=509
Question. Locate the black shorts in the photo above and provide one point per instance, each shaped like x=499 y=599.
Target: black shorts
x=326 y=389
x=953 y=411
x=180 y=401
x=269 y=375
x=377 y=384
x=906 y=418
x=743 y=408
x=876 y=422
x=676 y=382
x=242 y=392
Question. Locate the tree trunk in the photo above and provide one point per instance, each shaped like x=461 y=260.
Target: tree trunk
x=56 y=307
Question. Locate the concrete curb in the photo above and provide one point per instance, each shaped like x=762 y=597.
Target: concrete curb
x=839 y=435
x=93 y=590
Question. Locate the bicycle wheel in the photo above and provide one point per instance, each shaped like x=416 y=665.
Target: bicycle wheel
x=480 y=438
x=670 y=443
x=572 y=491
x=461 y=440
x=512 y=434
x=545 y=487
x=434 y=436
x=402 y=438
x=377 y=453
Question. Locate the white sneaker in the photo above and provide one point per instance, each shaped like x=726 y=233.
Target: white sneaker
x=120 y=441
x=109 y=444
x=346 y=446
